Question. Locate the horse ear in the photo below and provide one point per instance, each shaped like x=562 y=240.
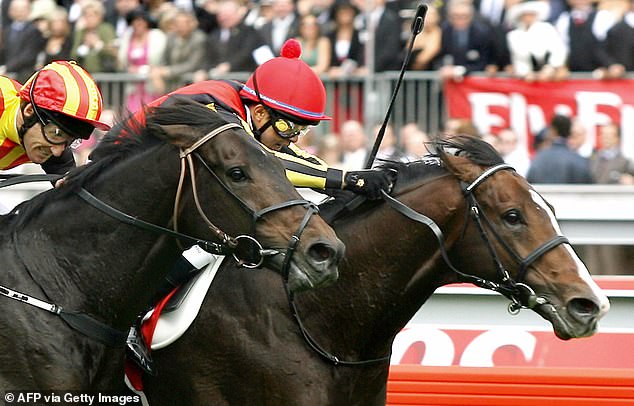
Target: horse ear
x=460 y=166
x=180 y=135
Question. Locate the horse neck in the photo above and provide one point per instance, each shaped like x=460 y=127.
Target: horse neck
x=85 y=254
x=393 y=269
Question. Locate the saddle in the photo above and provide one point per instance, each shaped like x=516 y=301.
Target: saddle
x=183 y=306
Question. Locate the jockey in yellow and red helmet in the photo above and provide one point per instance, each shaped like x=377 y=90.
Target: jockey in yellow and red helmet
x=278 y=103
x=41 y=119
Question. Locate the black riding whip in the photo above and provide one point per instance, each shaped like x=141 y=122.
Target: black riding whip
x=417 y=27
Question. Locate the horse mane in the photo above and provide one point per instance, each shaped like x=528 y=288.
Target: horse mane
x=473 y=148
x=431 y=166
x=479 y=152
x=127 y=138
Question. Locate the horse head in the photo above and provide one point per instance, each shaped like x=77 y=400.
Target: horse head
x=231 y=163
x=529 y=259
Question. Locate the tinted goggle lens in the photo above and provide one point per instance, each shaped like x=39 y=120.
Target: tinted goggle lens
x=288 y=129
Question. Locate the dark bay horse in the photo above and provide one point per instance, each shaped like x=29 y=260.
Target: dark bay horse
x=62 y=250
x=242 y=351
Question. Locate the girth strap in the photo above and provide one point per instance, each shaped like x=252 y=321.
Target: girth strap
x=81 y=322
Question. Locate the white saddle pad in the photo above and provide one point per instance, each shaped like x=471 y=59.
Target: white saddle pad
x=171 y=326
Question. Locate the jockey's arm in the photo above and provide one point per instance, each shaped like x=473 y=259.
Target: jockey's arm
x=306 y=170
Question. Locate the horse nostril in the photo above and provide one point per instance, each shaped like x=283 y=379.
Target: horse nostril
x=582 y=309
x=321 y=252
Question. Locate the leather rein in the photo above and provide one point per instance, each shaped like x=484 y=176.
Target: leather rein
x=521 y=295
x=236 y=246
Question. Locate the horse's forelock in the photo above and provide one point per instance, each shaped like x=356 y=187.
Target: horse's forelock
x=475 y=149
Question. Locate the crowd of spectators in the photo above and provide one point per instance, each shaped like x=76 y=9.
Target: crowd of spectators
x=177 y=41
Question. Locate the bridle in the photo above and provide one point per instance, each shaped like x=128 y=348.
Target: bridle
x=521 y=295
x=240 y=247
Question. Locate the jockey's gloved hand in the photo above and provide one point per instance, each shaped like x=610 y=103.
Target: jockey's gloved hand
x=368 y=182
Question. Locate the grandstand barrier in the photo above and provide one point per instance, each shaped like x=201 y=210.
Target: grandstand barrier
x=509 y=386
x=588 y=214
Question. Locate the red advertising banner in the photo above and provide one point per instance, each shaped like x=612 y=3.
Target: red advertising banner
x=499 y=346
x=496 y=103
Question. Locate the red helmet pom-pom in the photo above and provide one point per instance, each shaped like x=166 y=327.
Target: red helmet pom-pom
x=291 y=49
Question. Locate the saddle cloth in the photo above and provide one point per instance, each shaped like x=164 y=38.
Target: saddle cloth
x=173 y=323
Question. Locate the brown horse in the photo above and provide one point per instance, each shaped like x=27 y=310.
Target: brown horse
x=497 y=232
x=102 y=267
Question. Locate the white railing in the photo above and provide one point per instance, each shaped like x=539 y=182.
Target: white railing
x=593 y=214
x=588 y=214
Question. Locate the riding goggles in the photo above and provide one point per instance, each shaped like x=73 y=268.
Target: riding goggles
x=287 y=129
x=51 y=131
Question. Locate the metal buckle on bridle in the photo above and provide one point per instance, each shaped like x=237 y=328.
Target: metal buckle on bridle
x=525 y=298
x=249 y=253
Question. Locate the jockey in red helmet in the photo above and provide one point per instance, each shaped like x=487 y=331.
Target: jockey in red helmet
x=278 y=104
x=39 y=121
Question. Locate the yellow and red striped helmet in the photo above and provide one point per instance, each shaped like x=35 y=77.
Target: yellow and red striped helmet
x=66 y=88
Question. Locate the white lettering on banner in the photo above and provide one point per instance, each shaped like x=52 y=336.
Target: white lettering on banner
x=440 y=349
x=479 y=352
x=483 y=119
x=588 y=110
x=591 y=108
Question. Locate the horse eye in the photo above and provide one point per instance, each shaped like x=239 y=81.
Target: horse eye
x=512 y=217
x=237 y=174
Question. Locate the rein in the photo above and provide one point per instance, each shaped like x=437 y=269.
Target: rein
x=521 y=295
x=237 y=246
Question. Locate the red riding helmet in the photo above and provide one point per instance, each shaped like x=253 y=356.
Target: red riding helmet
x=66 y=88
x=288 y=85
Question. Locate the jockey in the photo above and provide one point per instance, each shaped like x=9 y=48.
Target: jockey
x=43 y=119
x=280 y=101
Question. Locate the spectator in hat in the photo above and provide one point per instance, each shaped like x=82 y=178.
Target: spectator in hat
x=142 y=47
x=347 y=51
x=537 y=51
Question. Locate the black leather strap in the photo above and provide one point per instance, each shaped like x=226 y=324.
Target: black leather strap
x=208 y=246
